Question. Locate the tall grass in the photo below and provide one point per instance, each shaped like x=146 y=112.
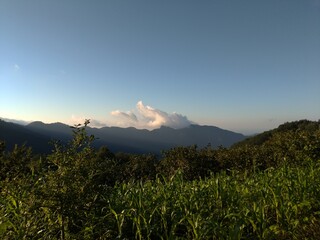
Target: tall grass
x=281 y=203
x=274 y=204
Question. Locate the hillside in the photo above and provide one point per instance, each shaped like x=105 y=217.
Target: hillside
x=301 y=125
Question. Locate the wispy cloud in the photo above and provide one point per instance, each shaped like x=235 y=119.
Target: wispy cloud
x=149 y=118
x=21 y=122
x=16 y=67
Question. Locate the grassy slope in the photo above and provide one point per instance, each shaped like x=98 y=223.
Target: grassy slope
x=275 y=204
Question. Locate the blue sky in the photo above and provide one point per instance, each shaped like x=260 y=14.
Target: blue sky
x=246 y=66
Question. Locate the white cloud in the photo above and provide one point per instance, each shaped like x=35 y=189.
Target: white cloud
x=127 y=115
x=16 y=67
x=80 y=120
x=142 y=117
x=149 y=118
x=96 y=123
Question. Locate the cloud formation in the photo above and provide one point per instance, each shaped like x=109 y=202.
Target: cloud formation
x=142 y=117
x=130 y=116
x=149 y=118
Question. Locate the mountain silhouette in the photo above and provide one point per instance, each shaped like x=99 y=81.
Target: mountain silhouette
x=38 y=134
x=13 y=134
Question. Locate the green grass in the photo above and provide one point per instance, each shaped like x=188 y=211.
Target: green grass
x=281 y=203
x=275 y=204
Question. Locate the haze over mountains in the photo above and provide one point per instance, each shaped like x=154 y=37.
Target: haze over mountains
x=38 y=134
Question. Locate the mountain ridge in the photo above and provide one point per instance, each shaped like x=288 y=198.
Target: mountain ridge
x=130 y=139
x=261 y=138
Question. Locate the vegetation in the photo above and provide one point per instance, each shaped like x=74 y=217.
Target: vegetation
x=257 y=189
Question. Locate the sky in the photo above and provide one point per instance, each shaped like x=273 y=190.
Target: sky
x=246 y=66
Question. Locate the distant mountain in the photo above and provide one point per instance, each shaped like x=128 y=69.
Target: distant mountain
x=20 y=122
x=55 y=131
x=135 y=140
x=13 y=133
x=117 y=139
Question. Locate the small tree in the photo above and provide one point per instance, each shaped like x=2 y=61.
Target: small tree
x=70 y=190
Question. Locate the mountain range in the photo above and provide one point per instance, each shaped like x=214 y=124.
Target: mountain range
x=38 y=135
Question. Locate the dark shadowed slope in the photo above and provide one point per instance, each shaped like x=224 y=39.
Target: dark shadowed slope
x=13 y=134
x=56 y=131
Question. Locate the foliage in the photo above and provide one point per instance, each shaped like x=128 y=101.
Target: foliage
x=266 y=190
x=134 y=166
x=15 y=163
x=302 y=125
x=192 y=161
x=274 y=204
x=63 y=193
